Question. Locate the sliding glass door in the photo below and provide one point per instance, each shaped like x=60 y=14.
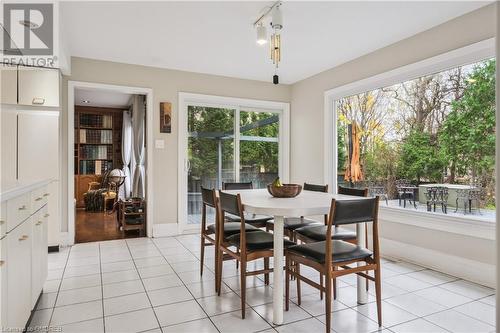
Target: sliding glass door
x=227 y=143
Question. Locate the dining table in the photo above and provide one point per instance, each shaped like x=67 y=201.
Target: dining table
x=307 y=203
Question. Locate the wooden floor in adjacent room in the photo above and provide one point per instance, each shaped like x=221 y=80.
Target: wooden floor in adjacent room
x=98 y=226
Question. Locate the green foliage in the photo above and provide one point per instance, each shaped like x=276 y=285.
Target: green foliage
x=467 y=137
x=380 y=163
x=420 y=158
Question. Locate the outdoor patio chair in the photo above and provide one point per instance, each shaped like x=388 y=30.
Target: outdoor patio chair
x=405 y=192
x=378 y=190
x=437 y=195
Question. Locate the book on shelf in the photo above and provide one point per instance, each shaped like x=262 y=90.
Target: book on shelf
x=100 y=152
x=96 y=120
x=95 y=167
x=96 y=136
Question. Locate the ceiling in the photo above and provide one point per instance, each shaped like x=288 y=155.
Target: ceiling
x=219 y=38
x=101 y=98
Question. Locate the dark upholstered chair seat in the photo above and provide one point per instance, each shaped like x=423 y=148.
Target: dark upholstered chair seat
x=256 y=220
x=231 y=228
x=292 y=223
x=318 y=233
x=256 y=240
x=342 y=251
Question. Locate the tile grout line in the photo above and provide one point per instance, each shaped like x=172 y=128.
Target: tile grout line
x=144 y=286
x=251 y=307
x=59 y=288
x=184 y=284
x=102 y=287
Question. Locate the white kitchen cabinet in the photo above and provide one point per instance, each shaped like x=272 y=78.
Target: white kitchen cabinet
x=3 y=280
x=8 y=82
x=39 y=257
x=38 y=145
x=8 y=144
x=38 y=86
x=19 y=275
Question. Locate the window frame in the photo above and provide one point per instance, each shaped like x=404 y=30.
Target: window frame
x=466 y=55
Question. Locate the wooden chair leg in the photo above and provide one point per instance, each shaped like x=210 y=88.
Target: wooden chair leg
x=202 y=254
x=334 y=285
x=321 y=284
x=287 y=283
x=243 y=285
x=299 y=296
x=266 y=275
x=220 y=260
x=328 y=300
x=378 y=294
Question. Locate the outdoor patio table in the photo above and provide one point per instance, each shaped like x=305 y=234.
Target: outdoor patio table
x=408 y=189
x=307 y=203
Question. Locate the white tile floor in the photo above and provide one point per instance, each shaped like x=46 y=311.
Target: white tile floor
x=153 y=285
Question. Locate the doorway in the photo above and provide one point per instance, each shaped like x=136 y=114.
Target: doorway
x=228 y=140
x=109 y=155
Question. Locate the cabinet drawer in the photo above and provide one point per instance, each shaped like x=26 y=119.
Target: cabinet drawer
x=39 y=198
x=38 y=86
x=18 y=210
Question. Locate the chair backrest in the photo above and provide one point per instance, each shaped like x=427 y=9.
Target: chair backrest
x=230 y=203
x=316 y=188
x=358 y=192
x=208 y=196
x=354 y=211
x=237 y=186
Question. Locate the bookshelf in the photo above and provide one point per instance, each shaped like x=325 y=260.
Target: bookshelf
x=97 y=145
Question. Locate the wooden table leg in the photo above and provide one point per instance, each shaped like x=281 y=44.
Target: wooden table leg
x=278 y=271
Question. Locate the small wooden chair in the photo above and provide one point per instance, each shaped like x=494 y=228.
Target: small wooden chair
x=252 y=245
x=209 y=233
x=333 y=258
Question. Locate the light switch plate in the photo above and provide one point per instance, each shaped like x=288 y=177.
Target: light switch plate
x=159 y=144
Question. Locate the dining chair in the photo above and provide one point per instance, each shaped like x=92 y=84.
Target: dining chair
x=292 y=223
x=334 y=258
x=257 y=220
x=209 y=233
x=318 y=233
x=252 y=245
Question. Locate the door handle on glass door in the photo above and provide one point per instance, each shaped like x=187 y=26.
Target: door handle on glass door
x=188 y=165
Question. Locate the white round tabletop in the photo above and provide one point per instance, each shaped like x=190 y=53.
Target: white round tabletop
x=307 y=203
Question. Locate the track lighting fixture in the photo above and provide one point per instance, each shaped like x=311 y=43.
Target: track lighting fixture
x=276 y=23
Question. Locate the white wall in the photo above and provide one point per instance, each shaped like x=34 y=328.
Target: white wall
x=166 y=84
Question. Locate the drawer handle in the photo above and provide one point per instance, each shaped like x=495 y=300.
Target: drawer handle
x=46 y=215
x=38 y=199
x=24 y=237
x=38 y=101
x=39 y=222
x=2 y=262
x=46 y=194
x=2 y=221
x=23 y=207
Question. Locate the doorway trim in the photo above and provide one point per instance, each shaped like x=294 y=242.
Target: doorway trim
x=72 y=86
x=186 y=99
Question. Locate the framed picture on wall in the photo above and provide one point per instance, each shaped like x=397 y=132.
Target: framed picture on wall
x=165 y=117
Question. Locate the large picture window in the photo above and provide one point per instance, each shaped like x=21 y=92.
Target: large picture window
x=435 y=131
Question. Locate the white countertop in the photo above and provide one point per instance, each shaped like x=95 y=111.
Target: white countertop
x=11 y=190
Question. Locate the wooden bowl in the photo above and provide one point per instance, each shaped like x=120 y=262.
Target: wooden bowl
x=285 y=191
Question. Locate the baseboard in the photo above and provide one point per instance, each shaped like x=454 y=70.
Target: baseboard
x=165 y=229
x=471 y=270
x=65 y=239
